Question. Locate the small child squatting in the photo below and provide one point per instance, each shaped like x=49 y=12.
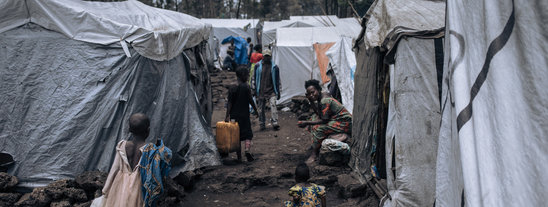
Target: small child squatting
x=304 y=193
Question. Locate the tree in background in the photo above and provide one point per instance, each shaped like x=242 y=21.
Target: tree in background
x=271 y=10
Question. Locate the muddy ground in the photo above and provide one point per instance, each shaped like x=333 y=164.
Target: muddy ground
x=265 y=181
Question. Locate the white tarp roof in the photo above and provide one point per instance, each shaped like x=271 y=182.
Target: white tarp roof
x=231 y=23
x=493 y=146
x=154 y=33
x=305 y=36
x=349 y=27
x=223 y=28
x=269 y=29
x=390 y=18
x=324 y=20
x=343 y=61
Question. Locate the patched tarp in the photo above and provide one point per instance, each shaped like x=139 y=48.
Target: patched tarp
x=65 y=104
x=495 y=128
x=389 y=20
x=367 y=101
x=154 y=33
x=413 y=124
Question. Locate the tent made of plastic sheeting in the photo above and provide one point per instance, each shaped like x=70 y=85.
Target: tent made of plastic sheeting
x=412 y=128
x=324 y=20
x=343 y=62
x=66 y=102
x=295 y=56
x=388 y=20
x=346 y=26
x=223 y=28
x=269 y=29
x=154 y=33
x=396 y=112
x=492 y=146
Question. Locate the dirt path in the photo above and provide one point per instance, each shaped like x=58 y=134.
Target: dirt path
x=265 y=181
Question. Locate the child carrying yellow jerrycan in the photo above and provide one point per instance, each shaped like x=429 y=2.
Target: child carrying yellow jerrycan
x=239 y=99
x=228 y=137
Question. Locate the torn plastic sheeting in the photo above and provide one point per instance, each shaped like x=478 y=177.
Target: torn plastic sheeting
x=61 y=108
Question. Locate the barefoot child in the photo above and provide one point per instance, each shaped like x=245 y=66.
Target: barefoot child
x=304 y=193
x=239 y=99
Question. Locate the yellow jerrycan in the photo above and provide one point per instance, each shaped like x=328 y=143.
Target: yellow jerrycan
x=228 y=137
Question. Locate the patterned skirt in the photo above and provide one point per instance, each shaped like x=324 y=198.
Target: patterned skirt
x=322 y=131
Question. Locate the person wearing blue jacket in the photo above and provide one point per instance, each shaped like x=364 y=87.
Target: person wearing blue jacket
x=267 y=87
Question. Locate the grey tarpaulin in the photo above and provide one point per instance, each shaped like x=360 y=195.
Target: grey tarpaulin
x=155 y=33
x=413 y=124
x=65 y=105
x=366 y=104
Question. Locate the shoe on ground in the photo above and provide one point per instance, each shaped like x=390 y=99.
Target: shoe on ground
x=276 y=126
x=249 y=157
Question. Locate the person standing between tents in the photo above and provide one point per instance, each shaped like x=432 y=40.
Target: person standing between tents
x=135 y=170
x=229 y=63
x=239 y=99
x=267 y=87
x=330 y=118
x=249 y=48
x=254 y=59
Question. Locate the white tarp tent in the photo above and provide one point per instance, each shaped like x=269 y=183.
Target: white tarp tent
x=111 y=23
x=493 y=145
x=223 y=28
x=269 y=29
x=349 y=27
x=413 y=124
x=294 y=54
x=343 y=61
x=390 y=19
x=324 y=20
x=69 y=85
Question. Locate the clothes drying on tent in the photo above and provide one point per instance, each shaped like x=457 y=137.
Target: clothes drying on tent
x=240 y=49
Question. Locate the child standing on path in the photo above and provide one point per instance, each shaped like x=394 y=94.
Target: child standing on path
x=239 y=99
x=304 y=193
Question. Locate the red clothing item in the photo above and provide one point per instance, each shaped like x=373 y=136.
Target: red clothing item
x=256 y=57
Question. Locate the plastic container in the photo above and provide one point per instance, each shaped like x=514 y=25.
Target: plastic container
x=228 y=137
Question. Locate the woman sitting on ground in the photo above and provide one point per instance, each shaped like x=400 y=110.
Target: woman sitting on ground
x=329 y=118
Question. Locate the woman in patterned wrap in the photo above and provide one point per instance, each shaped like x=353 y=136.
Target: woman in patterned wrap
x=329 y=118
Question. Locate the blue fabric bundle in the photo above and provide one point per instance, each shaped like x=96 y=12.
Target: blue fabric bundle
x=240 y=51
x=155 y=165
